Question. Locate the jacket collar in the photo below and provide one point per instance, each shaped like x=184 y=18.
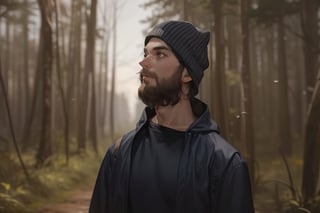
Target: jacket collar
x=204 y=123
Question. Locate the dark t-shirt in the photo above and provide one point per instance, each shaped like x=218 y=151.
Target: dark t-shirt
x=154 y=171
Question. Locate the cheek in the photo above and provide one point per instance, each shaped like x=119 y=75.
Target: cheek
x=167 y=69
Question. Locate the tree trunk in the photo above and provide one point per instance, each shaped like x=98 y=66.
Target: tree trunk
x=45 y=148
x=234 y=96
x=271 y=91
x=103 y=106
x=220 y=94
x=74 y=66
x=309 y=23
x=113 y=72
x=4 y=92
x=311 y=164
x=284 y=116
x=30 y=115
x=6 y=64
x=91 y=68
x=312 y=136
x=26 y=60
x=185 y=10
x=35 y=96
x=246 y=80
x=60 y=85
x=84 y=98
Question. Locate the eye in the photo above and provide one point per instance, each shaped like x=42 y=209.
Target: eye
x=145 y=55
x=161 y=54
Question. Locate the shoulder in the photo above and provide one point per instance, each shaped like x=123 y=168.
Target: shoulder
x=222 y=147
x=121 y=142
x=224 y=155
x=217 y=145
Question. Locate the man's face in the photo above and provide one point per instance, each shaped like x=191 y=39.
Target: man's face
x=160 y=75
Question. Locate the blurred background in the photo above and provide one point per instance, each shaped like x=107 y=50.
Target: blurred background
x=68 y=89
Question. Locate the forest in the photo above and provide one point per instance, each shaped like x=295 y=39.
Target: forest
x=59 y=109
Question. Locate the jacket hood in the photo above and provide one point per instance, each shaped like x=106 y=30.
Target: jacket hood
x=203 y=123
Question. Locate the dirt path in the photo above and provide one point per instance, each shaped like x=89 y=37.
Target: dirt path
x=78 y=203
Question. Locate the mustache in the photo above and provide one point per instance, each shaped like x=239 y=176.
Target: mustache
x=145 y=72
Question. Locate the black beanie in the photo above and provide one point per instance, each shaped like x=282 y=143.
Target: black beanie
x=188 y=43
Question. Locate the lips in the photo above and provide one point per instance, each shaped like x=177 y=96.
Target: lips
x=146 y=74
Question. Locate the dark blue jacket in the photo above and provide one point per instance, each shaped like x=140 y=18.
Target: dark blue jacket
x=213 y=178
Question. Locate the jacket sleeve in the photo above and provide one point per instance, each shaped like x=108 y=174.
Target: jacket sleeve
x=100 y=196
x=234 y=194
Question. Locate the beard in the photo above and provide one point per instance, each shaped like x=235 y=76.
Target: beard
x=166 y=92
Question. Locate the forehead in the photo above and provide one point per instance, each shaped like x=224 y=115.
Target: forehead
x=155 y=43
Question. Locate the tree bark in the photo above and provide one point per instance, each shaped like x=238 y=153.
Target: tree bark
x=15 y=143
x=311 y=166
x=220 y=94
x=26 y=60
x=309 y=23
x=311 y=157
x=60 y=85
x=113 y=72
x=89 y=68
x=185 y=10
x=284 y=117
x=74 y=66
x=45 y=147
x=247 y=94
x=104 y=84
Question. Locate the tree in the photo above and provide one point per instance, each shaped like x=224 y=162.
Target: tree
x=26 y=55
x=3 y=88
x=284 y=117
x=74 y=56
x=248 y=129
x=103 y=79
x=220 y=94
x=45 y=147
x=311 y=165
x=60 y=84
x=92 y=28
x=113 y=71
x=89 y=69
x=309 y=23
x=312 y=137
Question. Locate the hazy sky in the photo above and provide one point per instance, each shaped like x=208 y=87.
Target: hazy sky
x=130 y=48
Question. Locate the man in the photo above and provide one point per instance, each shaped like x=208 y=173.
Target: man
x=175 y=160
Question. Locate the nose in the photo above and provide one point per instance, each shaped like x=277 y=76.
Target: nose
x=145 y=62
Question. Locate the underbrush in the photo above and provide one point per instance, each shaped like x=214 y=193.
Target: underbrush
x=278 y=187
x=46 y=185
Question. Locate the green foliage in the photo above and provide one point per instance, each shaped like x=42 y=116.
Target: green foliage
x=286 y=197
x=292 y=206
x=6 y=186
x=47 y=184
x=9 y=204
x=8 y=199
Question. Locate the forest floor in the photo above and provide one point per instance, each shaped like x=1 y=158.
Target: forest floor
x=77 y=201
x=75 y=198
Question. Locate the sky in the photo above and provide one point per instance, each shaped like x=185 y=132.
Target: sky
x=130 y=48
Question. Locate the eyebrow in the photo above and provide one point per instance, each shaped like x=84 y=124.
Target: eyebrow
x=158 y=48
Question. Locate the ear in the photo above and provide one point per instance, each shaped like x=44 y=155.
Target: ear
x=185 y=78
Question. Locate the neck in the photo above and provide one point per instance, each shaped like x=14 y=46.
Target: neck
x=178 y=117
